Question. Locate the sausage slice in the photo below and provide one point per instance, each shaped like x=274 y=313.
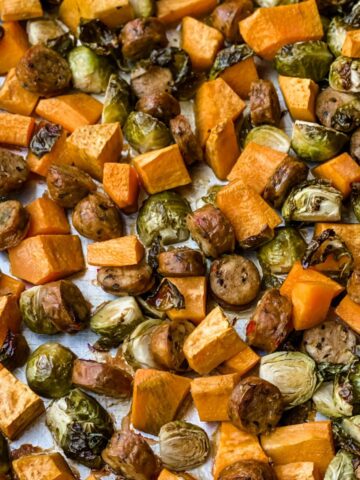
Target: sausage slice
x=264 y=103
x=181 y=262
x=121 y=281
x=14 y=223
x=248 y=470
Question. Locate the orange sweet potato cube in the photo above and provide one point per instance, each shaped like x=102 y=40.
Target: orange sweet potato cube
x=16 y=129
x=41 y=165
x=47 y=218
x=13 y=46
x=240 y=76
x=10 y=316
x=43 y=466
x=118 y=252
x=349 y=233
x=170 y=11
x=20 y=9
x=194 y=290
x=242 y=362
x=297 y=471
x=349 y=312
x=351 y=45
x=14 y=98
x=121 y=183
x=69 y=13
x=299 y=95
x=11 y=286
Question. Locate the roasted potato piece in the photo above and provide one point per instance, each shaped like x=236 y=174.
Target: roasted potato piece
x=13 y=171
x=264 y=103
x=226 y=18
x=248 y=470
x=151 y=81
x=181 y=262
x=14 y=223
x=189 y=146
x=141 y=36
x=121 y=281
x=160 y=105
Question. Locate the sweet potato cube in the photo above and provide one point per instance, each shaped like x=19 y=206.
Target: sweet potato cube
x=342 y=171
x=211 y=396
x=11 y=286
x=70 y=111
x=234 y=446
x=118 y=252
x=44 y=466
x=297 y=471
x=14 y=98
x=256 y=165
x=12 y=10
x=112 y=12
x=121 y=183
x=225 y=104
x=201 y=42
x=157 y=399
x=13 y=45
x=69 y=13
x=46 y=258
x=10 y=316
x=16 y=129
x=240 y=76
x=222 y=148
x=162 y=169
x=242 y=362
x=299 y=95
x=167 y=475
x=170 y=11
x=349 y=312
x=311 y=302
x=194 y=290
x=349 y=233
x=212 y=342
x=47 y=218
x=19 y=405
x=90 y=147
x=41 y=165
x=306 y=442
x=351 y=45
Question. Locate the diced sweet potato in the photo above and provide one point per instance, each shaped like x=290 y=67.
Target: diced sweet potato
x=234 y=446
x=299 y=95
x=349 y=233
x=171 y=11
x=242 y=362
x=157 y=399
x=14 y=98
x=212 y=342
x=69 y=13
x=13 y=45
x=46 y=258
x=41 y=165
x=90 y=147
x=112 y=12
x=12 y=10
x=351 y=45
x=342 y=171
x=194 y=290
x=43 y=466
x=283 y=24
x=11 y=286
x=70 y=111
x=167 y=475
x=256 y=164
x=349 y=312
x=118 y=252
x=306 y=442
x=311 y=302
x=201 y=42
x=10 y=316
x=16 y=129
x=19 y=405
x=211 y=396
x=240 y=76
x=225 y=104
x=297 y=471
x=47 y=218
x=222 y=148
x=121 y=183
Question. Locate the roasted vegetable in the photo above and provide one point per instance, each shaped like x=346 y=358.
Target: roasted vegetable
x=97 y=36
x=337 y=109
x=325 y=403
x=146 y=133
x=14 y=351
x=4 y=456
x=336 y=34
x=141 y=36
x=346 y=434
x=183 y=445
x=166 y=297
x=228 y=57
x=181 y=262
x=49 y=370
x=137 y=346
x=114 y=320
x=117 y=101
x=313 y=201
x=14 y=223
x=45 y=138
x=62 y=45
x=13 y=171
x=143 y=8
x=342 y=467
x=344 y=74
x=90 y=72
x=355 y=199
x=294 y=373
x=42 y=30
x=163 y=215
x=269 y=136
x=80 y=426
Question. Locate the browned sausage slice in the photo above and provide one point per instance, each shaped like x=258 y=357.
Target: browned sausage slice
x=264 y=103
x=181 y=262
x=226 y=18
x=151 y=81
x=248 y=470
x=160 y=105
x=13 y=171
x=185 y=138
x=122 y=281
x=14 y=223
x=141 y=36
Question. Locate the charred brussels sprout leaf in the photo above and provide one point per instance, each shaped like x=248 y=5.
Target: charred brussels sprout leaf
x=49 y=370
x=143 y=8
x=228 y=57
x=176 y=60
x=183 y=446
x=355 y=199
x=137 y=346
x=347 y=434
x=163 y=215
x=45 y=138
x=62 y=45
x=316 y=143
x=14 y=351
x=344 y=75
x=304 y=59
x=269 y=136
x=211 y=194
x=97 y=36
x=325 y=404
x=336 y=35
x=40 y=31
x=166 y=297
x=90 y=72
x=80 y=426
x=341 y=467
x=146 y=133
x=117 y=101
x=4 y=456
x=347 y=117
x=353 y=17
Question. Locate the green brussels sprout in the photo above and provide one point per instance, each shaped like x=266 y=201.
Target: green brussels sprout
x=344 y=74
x=228 y=57
x=4 y=456
x=137 y=346
x=336 y=35
x=347 y=117
x=115 y=320
x=177 y=61
x=324 y=400
x=304 y=59
x=211 y=194
x=143 y=8
x=98 y=36
x=62 y=45
x=39 y=31
x=80 y=426
x=355 y=199
x=316 y=143
x=279 y=255
x=30 y=307
x=49 y=370
x=347 y=434
x=163 y=215
x=313 y=201
x=117 y=101
x=294 y=373
x=341 y=467
x=183 y=446
x=269 y=136
x=146 y=133
x=90 y=72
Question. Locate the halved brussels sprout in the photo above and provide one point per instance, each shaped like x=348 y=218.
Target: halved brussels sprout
x=183 y=445
x=228 y=57
x=336 y=35
x=325 y=402
x=45 y=138
x=98 y=36
x=114 y=320
x=176 y=60
x=117 y=101
x=80 y=426
x=352 y=18
x=304 y=59
x=345 y=74
x=143 y=8
x=41 y=30
x=294 y=373
x=166 y=297
x=146 y=133
x=337 y=110
x=316 y=143
x=137 y=346
x=63 y=44
x=269 y=136
x=90 y=72
x=341 y=467
x=32 y=314
x=49 y=370
x=4 y=456
x=163 y=215
x=347 y=434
